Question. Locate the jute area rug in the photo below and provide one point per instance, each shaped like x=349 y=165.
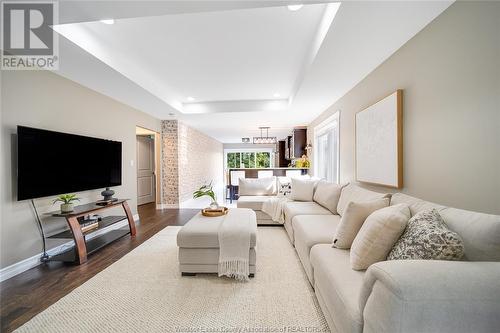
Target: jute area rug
x=145 y=292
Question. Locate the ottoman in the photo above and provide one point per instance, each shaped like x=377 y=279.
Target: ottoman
x=198 y=242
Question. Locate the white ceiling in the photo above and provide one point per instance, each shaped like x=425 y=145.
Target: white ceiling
x=234 y=61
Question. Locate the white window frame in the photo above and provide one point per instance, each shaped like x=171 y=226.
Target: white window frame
x=324 y=126
x=250 y=150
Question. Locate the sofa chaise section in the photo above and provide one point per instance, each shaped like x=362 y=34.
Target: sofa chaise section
x=255 y=203
x=253 y=192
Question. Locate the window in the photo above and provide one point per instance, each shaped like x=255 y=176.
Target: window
x=233 y=160
x=326 y=149
x=248 y=159
x=263 y=160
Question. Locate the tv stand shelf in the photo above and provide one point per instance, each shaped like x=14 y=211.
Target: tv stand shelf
x=92 y=245
x=83 y=247
x=105 y=222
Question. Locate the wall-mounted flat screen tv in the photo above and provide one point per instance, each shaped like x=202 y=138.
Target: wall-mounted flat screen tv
x=52 y=163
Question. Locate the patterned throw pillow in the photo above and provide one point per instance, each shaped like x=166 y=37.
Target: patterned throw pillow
x=427 y=237
x=284 y=187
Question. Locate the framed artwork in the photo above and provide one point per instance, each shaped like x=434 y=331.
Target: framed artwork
x=379 y=142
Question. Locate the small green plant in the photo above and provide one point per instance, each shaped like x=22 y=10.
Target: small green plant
x=205 y=190
x=66 y=198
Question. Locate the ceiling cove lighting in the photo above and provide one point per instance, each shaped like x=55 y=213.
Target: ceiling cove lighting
x=294 y=8
x=264 y=139
x=108 y=21
x=277 y=95
x=190 y=99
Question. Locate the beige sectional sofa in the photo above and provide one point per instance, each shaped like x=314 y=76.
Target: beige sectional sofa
x=400 y=295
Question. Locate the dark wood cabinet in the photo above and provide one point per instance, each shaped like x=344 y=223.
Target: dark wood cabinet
x=282 y=161
x=299 y=142
x=295 y=144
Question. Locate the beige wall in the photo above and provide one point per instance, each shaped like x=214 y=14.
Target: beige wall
x=450 y=74
x=45 y=100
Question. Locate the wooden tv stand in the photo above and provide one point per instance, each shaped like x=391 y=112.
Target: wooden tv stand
x=78 y=254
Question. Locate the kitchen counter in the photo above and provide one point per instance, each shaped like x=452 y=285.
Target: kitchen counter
x=253 y=172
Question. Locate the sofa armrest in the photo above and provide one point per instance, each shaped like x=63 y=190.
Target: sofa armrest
x=431 y=296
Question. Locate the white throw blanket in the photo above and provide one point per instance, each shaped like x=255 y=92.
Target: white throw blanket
x=274 y=207
x=234 y=243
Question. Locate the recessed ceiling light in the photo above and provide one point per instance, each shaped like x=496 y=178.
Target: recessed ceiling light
x=108 y=21
x=277 y=95
x=294 y=8
x=190 y=99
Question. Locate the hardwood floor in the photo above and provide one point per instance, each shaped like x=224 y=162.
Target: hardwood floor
x=31 y=292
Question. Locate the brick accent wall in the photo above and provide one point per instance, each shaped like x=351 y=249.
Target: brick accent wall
x=190 y=159
x=170 y=165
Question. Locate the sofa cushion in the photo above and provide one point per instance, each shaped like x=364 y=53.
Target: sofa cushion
x=416 y=205
x=427 y=237
x=302 y=189
x=310 y=230
x=354 y=216
x=480 y=232
x=294 y=208
x=339 y=286
x=257 y=186
x=355 y=193
x=327 y=195
x=252 y=201
x=377 y=235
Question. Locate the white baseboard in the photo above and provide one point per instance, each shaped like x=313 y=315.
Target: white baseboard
x=28 y=263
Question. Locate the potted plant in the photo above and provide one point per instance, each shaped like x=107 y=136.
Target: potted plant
x=67 y=202
x=206 y=190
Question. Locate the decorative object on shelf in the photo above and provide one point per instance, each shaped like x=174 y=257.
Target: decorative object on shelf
x=264 y=139
x=207 y=190
x=303 y=162
x=309 y=146
x=107 y=194
x=379 y=142
x=214 y=212
x=67 y=202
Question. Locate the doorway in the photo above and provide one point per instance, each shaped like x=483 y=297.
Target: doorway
x=147 y=142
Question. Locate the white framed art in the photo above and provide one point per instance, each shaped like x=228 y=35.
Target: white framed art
x=379 y=142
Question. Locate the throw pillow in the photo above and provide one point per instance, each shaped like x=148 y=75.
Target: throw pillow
x=378 y=234
x=284 y=187
x=428 y=237
x=302 y=189
x=353 y=192
x=257 y=186
x=353 y=218
x=327 y=195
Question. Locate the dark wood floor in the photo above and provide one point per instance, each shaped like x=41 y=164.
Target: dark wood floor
x=31 y=292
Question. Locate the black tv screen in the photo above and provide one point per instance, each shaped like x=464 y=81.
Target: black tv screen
x=52 y=163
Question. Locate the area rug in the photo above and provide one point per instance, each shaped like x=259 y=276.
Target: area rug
x=145 y=292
